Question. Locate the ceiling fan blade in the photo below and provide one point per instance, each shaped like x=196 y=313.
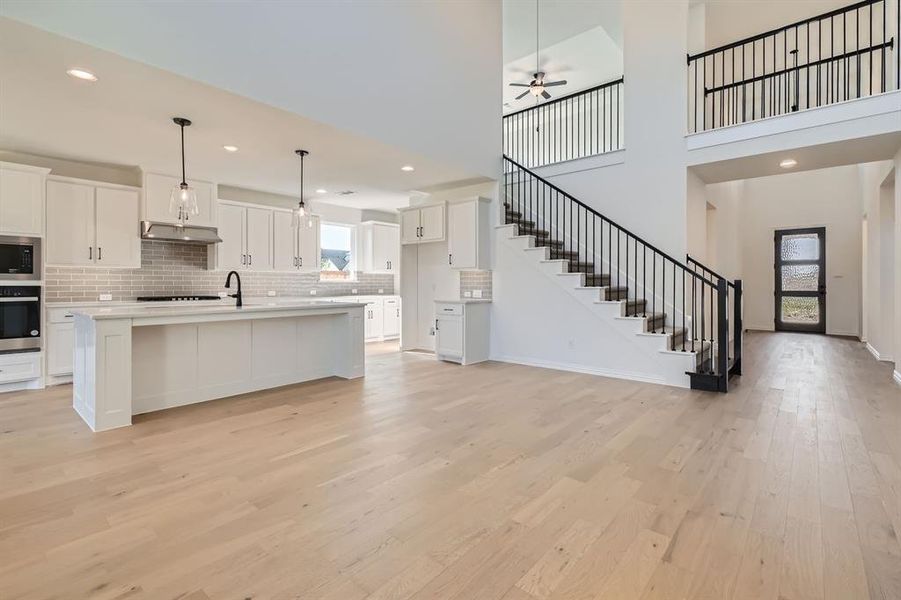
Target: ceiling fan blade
x=545 y=95
x=523 y=95
x=518 y=84
x=553 y=83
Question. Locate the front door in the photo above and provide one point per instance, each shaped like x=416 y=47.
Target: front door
x=801 y=279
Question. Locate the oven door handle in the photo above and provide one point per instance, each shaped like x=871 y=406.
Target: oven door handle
x=21 y=299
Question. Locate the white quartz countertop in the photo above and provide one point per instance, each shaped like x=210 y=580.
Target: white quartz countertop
x=464 y=301
x=155 y=310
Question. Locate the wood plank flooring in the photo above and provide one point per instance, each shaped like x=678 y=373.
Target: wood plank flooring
x=426 y=480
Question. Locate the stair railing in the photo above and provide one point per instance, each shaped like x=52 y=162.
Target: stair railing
x=675 y=298
x=735 y=297
x=578 y=125
x=840 y=55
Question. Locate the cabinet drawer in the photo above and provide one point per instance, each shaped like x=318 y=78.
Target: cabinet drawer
x=19 y=367
x=442 y=308
x=61 y=315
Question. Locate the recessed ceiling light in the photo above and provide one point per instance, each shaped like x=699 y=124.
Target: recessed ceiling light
x=230 y=148
x=82 y=74
x=321 y=191
x=788 y=163
x=407 y=168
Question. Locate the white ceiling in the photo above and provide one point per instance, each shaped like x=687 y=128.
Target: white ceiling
x=125 y=119
x=580 y=41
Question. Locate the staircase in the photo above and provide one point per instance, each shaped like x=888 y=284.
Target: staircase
x=683 y=316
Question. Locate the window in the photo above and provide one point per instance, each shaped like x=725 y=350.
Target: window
x=337 y=260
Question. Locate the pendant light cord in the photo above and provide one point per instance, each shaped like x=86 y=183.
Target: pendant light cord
x=183 y=182
x=537 y=47
x=301 y=179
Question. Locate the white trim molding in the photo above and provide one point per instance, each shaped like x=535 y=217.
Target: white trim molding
x=877 y=355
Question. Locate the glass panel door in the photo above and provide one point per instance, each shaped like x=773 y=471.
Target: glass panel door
x=800 y=279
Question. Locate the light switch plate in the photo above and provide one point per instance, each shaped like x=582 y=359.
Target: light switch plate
x=467 y=294
x=312 y=292
x=223 y=294
x=105 y=297
x=381 y=291
x=353 y=291
x=476 y=293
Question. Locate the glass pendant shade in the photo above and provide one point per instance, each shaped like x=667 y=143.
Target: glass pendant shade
x=183 y=201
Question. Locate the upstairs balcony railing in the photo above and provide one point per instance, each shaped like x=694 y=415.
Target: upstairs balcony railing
x=841 y=55
x=583 y=124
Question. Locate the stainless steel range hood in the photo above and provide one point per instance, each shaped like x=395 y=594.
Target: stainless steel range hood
x=187 y=234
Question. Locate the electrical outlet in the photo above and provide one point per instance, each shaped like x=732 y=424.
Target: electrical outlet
x=223 y=294
x=106 y=297
x=312 y=292
x=270 y=293
x=476 y=293
x=467 y=294
x=353 y=291
x=381 y=291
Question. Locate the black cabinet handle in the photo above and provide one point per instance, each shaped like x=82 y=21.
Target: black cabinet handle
x=90 y=253
x=99 y=253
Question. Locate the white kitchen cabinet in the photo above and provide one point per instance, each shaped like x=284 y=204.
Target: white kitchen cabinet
x=462 y=331
x=117 y=218
x=374 y=326
x=246 y=233
x=391 y=318
x=308 y=245
x=157 y=190
x=421 y=224
x=468 y=235
x=22 y=199
x=92 y=225
x=284 y=242
x=60 y=347
x=380 y=246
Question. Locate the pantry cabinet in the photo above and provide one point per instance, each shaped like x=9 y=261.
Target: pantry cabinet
x=380 y=246
x=91 y=224
x=422 y=224
x=468 y=234
x=157 y=191
x=22 y=199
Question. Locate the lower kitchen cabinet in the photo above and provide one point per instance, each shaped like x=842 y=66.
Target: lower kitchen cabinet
x=374 y=327
x=391 y=318
x=60 y=341
x=461 y=331
x=381 y=319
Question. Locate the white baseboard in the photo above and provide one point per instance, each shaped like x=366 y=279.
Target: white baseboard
x=575 y=368
x=877 y=355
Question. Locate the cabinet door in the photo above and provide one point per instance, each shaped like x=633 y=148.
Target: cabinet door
x=158 y=188
x=375 y=312
x=21 y=202
x=462 y=235
x=258 y=239
x=432 y=222
x=70 y=224
x=391 y=318
x=284 y=242
x=409 y=226
x=230 y=251
x=449 y=336
x=118 y=240
x=61 y=347
x=385 y=248
x=308 y=244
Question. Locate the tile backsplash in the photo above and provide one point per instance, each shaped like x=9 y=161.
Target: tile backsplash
x=169 y=268
x=475 y=280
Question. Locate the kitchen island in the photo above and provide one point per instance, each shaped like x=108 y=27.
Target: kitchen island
x=136 y=359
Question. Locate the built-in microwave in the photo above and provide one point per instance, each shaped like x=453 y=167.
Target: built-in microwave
x=20 y=317
x=20 y=257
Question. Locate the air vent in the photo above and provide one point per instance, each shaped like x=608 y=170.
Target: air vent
x=346 y=193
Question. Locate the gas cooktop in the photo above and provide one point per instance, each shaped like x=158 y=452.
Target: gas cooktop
x=175 y=298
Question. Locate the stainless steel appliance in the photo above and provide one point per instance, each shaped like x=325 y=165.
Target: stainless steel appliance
x=20 y=257
x=20 y=318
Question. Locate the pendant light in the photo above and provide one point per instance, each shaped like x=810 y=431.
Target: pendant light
x=300 y=211
x=183 y=199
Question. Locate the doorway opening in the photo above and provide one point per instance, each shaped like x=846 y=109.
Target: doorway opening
x=800 y=271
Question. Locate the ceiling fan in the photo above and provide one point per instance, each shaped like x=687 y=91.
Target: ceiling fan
x=537 y=85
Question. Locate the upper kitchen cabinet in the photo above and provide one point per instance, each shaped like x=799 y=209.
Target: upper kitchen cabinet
x=22 y=199
x=468 y=235
x=380 y=247
x=421 y=224
x=92 y=224
x=295 y=249
x=158 y=188
x=246 y=233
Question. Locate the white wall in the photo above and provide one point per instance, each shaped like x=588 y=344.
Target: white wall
x=424 y=76
x=879 y=333
x=696 y=224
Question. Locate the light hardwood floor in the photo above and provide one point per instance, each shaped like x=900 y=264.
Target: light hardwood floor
x=426 y=480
